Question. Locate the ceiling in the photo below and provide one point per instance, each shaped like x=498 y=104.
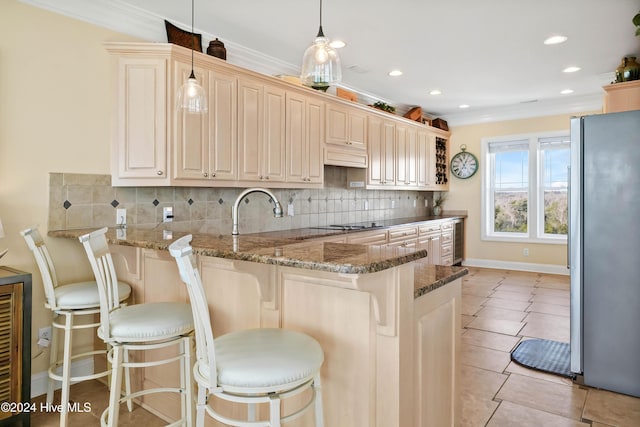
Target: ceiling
x=487 y=54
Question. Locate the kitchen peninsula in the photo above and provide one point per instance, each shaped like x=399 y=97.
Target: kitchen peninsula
x=388 y=323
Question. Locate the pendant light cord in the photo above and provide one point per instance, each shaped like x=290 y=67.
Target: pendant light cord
x=193 y=41
x=320 y=32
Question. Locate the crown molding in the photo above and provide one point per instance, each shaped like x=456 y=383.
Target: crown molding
x=124 y=18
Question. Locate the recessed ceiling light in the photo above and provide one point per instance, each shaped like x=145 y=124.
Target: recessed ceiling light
x=566 y=91
x=464 y=106
x=571 y=69
x=555 y=40
x=337 y=44
x=435 y=92
x=395 y=73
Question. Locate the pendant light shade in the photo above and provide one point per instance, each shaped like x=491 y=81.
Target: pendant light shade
x=192 y=97
x=321 y=63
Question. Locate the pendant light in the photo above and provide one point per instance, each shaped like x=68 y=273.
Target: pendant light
x=191 y=97
x=321 y=63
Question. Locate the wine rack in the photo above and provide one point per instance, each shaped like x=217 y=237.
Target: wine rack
x=442 y=175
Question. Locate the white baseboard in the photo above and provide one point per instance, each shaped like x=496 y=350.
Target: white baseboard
x=519 y=266
x=78 y=367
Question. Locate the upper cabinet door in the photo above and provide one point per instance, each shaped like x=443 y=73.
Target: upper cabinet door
x=223 y=126
x=261 y=132
x=346 y=126
x=191 y=130
x=250 y=129
x=140 y=144
x=304 y=136
x=273 y=144
x=423 y=163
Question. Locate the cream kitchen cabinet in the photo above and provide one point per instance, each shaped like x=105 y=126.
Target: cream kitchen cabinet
x=429 y=238
x=261 y=132
x=304 y=139
x=406 y=155
x=376 y=237
x=205 y=144
x=424 y=143
x=142 y=120
x=345 y=135
x=446 y=243
x=403 y=236
x=381 y=148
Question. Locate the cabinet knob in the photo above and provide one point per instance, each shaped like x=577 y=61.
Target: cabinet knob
x=159 y=172
x=266 y=177
x=206 y=174
x=259 y=176
x=213 y=175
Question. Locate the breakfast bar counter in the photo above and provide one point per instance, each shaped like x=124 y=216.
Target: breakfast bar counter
x=388 y=323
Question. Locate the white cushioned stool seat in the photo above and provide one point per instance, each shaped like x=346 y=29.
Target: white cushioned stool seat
x=154 y=321
x=265 y=358
x=84 y=295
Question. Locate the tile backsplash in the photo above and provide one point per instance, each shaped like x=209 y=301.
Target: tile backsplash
x=85 y=200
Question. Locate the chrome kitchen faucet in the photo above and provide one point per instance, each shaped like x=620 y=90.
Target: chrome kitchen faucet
x=277 y=210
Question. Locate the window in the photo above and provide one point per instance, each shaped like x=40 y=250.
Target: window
x=525 y=188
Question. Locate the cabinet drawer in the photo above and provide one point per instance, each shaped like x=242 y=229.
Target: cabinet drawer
x=429 y=228
x=447 y=237
x=403 y=243
x=368 y=238
x=446 y=250
x=446 y=260
x=402 y=233
x=447 y=225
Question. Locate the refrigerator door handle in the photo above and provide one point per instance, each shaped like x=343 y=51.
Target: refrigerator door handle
x=569 y=217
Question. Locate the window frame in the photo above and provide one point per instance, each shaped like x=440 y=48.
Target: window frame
x=535 y=191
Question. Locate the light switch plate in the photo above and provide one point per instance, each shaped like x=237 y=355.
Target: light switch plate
x=167 y=214
x=121 y=216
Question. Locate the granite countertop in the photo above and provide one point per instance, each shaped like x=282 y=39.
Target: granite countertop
x=429 y=277
x=285 y=251
x=294 y=248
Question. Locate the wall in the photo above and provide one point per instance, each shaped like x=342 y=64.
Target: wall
x=54 y=116
x=466 y=194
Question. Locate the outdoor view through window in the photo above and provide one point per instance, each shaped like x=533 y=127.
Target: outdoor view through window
x=529 y=182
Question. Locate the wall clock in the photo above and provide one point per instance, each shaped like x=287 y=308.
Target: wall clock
x=464 y=165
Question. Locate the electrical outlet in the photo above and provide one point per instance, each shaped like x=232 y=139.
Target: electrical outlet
x=121 y=216
x=415 y=203
x=426 y=203
x=366 y=205
x=525 y=252
x=44 y=333
x=167 y=214
x=393 y=204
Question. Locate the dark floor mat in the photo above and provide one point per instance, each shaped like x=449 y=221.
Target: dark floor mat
x=544 y=355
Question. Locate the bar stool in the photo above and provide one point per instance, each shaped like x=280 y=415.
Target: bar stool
x=69 y=301
x=250 y=366
x=138 y=327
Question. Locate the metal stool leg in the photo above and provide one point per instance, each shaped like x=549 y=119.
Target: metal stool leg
x=317 y=387
x=66 y=370
x=53 y=360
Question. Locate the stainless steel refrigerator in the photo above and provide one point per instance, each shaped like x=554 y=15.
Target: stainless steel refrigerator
x=604 y=250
